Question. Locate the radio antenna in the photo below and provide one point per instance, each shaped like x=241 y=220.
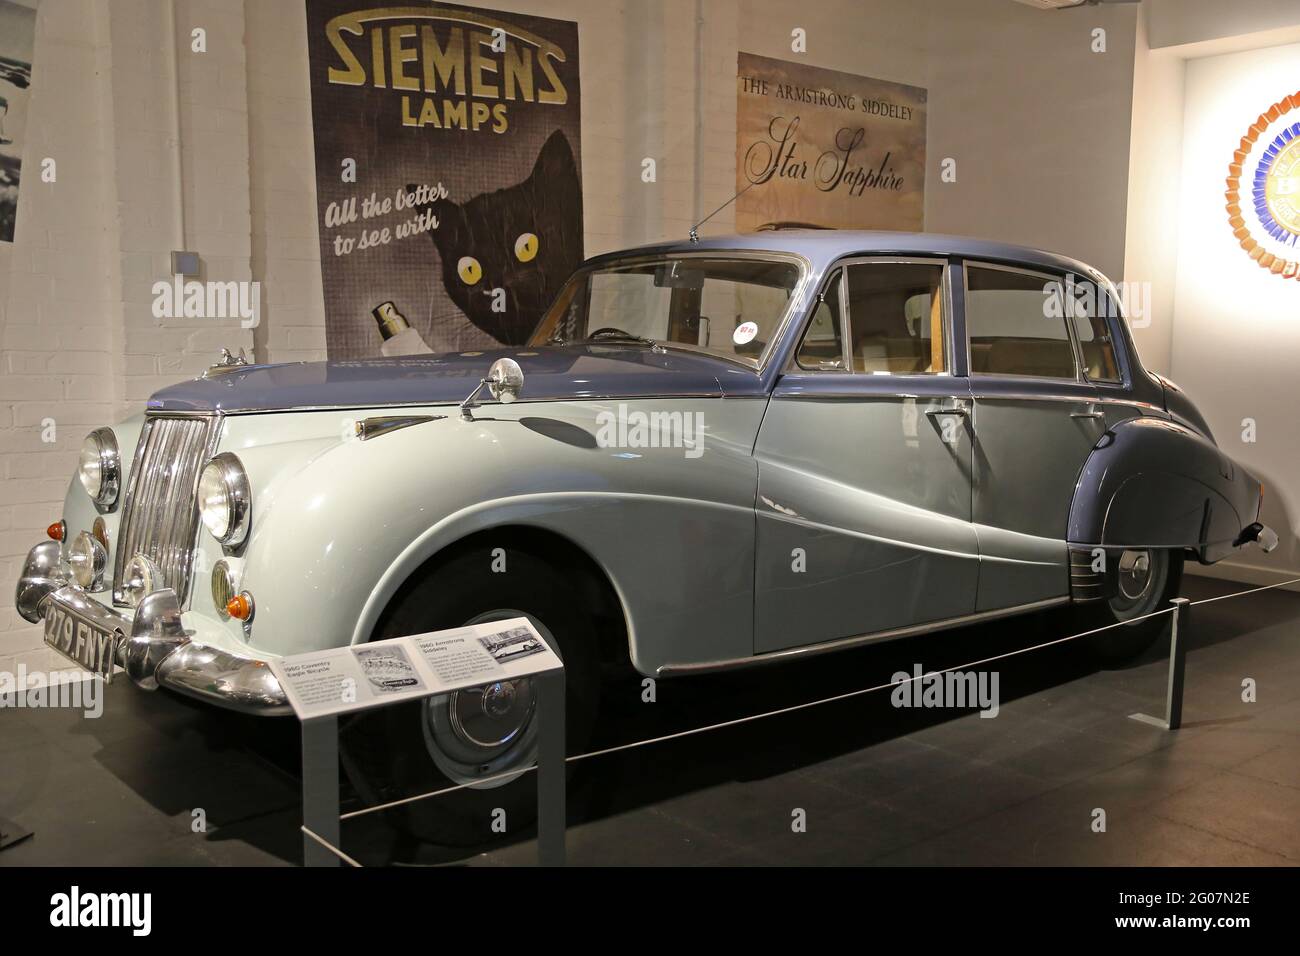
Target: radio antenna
x=694 y=235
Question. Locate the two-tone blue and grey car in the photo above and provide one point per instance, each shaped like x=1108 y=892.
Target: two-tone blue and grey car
x=712 y=454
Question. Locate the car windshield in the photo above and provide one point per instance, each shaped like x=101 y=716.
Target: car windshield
x=731 y=307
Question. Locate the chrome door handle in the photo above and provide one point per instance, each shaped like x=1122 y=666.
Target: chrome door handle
x=958 y=409
x=1092 y=414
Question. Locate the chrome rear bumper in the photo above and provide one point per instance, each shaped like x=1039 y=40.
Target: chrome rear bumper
x=157 y=651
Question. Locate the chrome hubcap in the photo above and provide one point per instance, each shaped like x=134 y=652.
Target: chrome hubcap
x=1140 y=579
x=1134 y=574
x=488 y=731
x=491 y=716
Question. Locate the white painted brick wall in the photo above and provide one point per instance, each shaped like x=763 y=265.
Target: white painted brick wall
x=78 y=342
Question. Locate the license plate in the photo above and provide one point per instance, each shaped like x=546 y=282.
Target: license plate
x=83 y=632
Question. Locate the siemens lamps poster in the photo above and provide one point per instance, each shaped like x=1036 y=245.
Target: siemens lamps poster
x=447 y=172
x=17 y=35
x=821 y=148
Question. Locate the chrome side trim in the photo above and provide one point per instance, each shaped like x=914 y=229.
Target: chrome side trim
x=794 y=653
x=368 y=428
x=593 y=397
x=1058 y=397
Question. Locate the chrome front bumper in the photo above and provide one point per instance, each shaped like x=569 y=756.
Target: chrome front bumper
x=157 y=650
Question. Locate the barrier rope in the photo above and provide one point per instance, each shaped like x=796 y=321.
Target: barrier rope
x=511 y=774
x=1224 y=597
x=331 y=847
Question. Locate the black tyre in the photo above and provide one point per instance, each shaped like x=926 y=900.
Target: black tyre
x=1144 y=581
x=460 y=738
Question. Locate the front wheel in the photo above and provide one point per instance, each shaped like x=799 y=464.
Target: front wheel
x=475 y=737
x=1145 y=581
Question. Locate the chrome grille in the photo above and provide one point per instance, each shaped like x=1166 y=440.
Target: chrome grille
x=160 y=516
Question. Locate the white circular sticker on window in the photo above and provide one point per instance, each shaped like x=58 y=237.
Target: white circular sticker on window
x=745 y=333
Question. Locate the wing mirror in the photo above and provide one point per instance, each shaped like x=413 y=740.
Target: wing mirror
x=505 y=380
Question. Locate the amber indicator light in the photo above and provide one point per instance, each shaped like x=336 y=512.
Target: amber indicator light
x=239 y=607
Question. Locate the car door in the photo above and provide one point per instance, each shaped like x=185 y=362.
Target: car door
x=1036 y=419
x=864 y=465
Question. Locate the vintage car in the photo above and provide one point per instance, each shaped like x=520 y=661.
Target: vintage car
x=711 y=454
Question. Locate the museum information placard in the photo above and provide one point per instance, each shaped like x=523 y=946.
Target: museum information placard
x=344 y=679
x=821 y=148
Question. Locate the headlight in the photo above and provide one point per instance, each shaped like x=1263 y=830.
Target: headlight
x=100 y=469
x=140 y=579
x=88 y=558
x=224 y=499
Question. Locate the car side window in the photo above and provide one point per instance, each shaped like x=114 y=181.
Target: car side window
x=1016 y=324
x=1089 y=311
x=896 y=318
x=823 y=344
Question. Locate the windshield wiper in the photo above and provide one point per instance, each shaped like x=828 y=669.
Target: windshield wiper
x=618 y=335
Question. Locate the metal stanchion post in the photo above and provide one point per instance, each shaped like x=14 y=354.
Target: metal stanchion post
x=320 y=789
x=1178 y=636
x=1179 y=632
x=550 y=769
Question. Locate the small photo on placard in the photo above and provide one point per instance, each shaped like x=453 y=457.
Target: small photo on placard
x=513 y=643
x=388 y=669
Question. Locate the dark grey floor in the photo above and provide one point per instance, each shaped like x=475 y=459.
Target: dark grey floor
x=878 y=784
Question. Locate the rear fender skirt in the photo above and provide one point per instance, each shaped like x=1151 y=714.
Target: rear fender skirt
x=1153 y=483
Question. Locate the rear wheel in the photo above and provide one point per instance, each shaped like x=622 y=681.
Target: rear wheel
x=470 y=736
x=1145 y=581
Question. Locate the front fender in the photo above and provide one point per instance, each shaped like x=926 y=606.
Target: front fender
x=674 y=534
x=1156 y=483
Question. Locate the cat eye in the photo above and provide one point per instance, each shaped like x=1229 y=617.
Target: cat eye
x=469 y=269
x=526 y=247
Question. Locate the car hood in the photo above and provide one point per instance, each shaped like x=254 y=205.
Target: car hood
x=589 y=371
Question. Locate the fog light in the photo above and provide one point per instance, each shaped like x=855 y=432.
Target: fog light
x=88 y=559
x=223 y=588
x=140 y=579
x=99 y=531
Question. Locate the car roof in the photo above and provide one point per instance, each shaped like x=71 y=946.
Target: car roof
x=821 y=247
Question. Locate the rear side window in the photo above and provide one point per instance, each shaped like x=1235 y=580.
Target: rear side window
x=1089 y=312
x=1016 y=323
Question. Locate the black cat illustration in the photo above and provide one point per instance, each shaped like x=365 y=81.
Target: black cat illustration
x=525 y=240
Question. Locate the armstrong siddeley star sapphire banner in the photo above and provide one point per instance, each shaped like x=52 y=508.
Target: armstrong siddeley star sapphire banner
x=447 y=172
x=818 y=147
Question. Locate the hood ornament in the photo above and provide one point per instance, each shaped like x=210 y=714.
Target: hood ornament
x=505 y=380
x=227 y=363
